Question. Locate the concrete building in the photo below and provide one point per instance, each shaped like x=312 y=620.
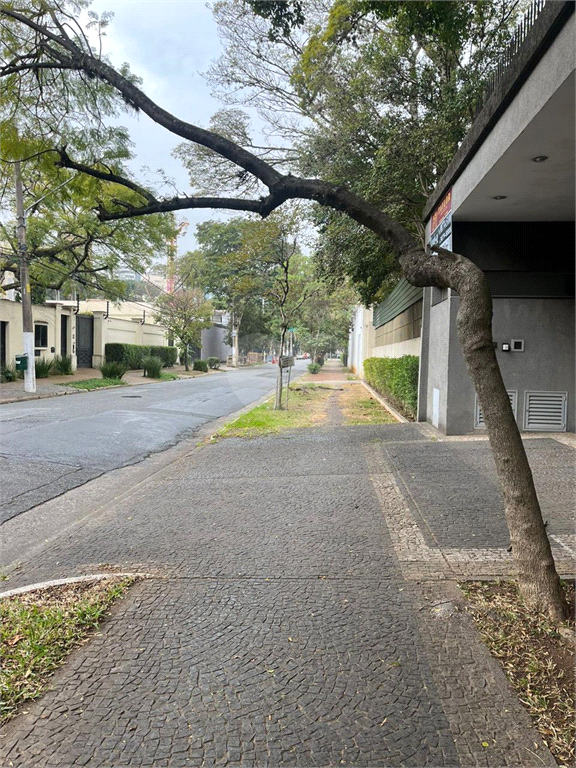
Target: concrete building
x=506 y=202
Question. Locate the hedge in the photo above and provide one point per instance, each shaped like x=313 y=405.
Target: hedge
x=397 y=379
x=132 y=355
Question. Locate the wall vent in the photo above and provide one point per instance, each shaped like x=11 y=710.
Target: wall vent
x=479 y=418
x=545 y=411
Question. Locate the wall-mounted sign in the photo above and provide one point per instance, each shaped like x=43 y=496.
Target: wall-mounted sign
x=441 y=223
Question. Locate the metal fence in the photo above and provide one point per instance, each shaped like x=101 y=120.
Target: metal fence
x=507 y=57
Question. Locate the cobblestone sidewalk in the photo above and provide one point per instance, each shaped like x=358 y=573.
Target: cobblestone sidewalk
x=301 y=610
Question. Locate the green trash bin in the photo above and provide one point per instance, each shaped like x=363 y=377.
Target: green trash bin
x=21 y=362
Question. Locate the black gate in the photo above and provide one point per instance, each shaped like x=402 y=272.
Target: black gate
x=63 y=335
x=84 y=340
x=3 y=327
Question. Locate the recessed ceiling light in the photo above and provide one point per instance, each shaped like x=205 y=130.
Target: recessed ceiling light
x=499 y=197
x=539 y=158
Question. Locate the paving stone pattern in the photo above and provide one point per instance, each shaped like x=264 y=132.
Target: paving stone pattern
x=277 y=628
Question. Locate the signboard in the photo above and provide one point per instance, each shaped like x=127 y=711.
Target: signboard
x=441 y=223
x=286 y=361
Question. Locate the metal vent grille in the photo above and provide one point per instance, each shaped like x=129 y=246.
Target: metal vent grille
x=545 y=411
x=479 y=417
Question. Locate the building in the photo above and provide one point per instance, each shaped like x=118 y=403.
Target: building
x=506 y=202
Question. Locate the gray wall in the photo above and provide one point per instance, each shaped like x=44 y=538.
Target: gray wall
x=547 y=364
x=213 y=344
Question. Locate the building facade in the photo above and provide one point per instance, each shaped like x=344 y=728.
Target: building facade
x=507 y=203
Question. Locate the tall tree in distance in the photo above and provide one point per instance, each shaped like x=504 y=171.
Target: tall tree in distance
x=44 y=39
x=184 y=313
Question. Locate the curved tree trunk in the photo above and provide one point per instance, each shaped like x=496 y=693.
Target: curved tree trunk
x=537 y=577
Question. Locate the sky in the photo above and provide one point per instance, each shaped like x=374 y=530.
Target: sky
x=168 y=43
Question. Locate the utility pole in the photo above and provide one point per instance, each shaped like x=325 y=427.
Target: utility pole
x=27 y=320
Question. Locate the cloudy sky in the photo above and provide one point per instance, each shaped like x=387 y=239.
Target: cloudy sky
x=168 y=43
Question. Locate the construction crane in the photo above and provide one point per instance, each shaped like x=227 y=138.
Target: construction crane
x=172 y=250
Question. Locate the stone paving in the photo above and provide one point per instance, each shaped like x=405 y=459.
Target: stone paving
x=301 y=610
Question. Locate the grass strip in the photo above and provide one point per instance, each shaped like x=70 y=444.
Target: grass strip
x=41 y=628
x=306 y=408
x=90 y=384
x=538 y=663
x=362 y=410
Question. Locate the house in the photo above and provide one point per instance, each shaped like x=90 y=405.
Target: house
x=506 y=202
x=80 y=330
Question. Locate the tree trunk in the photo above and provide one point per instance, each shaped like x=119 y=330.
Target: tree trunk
x=278 y=398
x=537 y=577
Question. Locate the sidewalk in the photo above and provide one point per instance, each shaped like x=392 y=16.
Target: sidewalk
x=54 y=386
x=300 y=609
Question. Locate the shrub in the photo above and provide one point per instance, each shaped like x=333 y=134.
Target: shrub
x=113 y=369
x=314 y=367
x=43 y=367
x=7 y=374
x=152 y=367
x=214 y=363
x=200 y=365
x=63 y=366
x=168 y=355
x=320 y=360
x=396 y=379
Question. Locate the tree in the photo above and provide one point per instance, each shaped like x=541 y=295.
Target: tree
x=45 y=44
x=67 y=245
x=271 y=246
x=377 y=96
x=184 y=313
x=325 y=322
x=225 y=271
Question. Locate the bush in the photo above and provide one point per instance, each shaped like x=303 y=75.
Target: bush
x=63 y=366
x=152 y=367
x=43 y=367
x=214 y=363
x=320 y=360
x=396 y=379
x=168 y=355
x=314 y=367
x=200 y=365
x=7 y=374
x=113 y=370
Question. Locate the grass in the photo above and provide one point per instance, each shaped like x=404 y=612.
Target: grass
x=364 y=410
x=40 y=629
x=165 y=376
x=306 y=408
x=536 y=660
x=90 y=384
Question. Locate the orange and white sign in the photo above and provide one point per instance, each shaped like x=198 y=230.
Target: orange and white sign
x=441 y=211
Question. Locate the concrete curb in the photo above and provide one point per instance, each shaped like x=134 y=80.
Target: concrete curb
x=70 y=580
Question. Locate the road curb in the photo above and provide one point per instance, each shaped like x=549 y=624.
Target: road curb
x=72 y=580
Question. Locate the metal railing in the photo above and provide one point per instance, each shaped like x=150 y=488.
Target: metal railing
x=507 y=57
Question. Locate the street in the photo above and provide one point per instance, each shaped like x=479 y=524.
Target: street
x=50 y=446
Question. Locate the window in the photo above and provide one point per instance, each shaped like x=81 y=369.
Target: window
x=40 y=335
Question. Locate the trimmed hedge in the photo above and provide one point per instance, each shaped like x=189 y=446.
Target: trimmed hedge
x=397 y=379
x=133 y=355
x=200 y=365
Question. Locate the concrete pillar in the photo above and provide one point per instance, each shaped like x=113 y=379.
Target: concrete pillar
x=98 y=353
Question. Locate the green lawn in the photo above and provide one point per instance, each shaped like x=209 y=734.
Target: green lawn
x=95 y=383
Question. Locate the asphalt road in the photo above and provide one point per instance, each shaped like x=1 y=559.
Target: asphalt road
x=50 y=446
